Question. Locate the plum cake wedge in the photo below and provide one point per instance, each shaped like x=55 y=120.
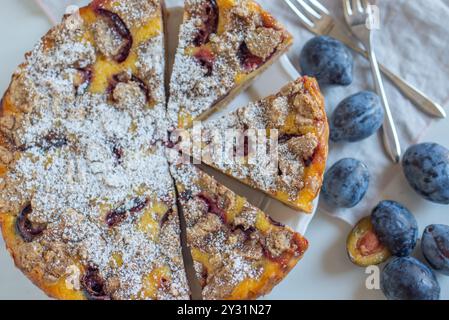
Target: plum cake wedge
x=238 y=251
x=223 y=45
x=87 y=203
x=289 y=164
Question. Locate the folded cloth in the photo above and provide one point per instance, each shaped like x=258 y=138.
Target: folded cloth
x=412 y=42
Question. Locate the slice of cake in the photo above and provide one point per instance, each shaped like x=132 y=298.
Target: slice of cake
x=289 y=166
x=223 y=46
x=238 y=251
x=87 y=203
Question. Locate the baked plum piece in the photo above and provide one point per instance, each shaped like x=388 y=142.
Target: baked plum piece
x=112 y=35
x=364 y=247
x=208 y=13
x=27 y=229
x=94 y=285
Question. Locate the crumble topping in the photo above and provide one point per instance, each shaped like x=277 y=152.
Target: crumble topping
x=129 y=95
x=262 y=42
x=303 y=147
x=278 y=242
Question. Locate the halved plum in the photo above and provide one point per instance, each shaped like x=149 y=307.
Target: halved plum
x=209 y=15
x=26 y=228
x=364 y=247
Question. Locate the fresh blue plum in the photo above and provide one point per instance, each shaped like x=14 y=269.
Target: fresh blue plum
x=328 y=60
x=435 y=247
x=346 y=183
x=396 y=227
x=426 y=167
x=406 y=278
x=357 y=117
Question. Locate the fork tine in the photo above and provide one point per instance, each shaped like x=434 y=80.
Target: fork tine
x=308 y=10
x=357 y=6
x=365 y=5
x=319 y=7
x=304 y=19
x=347 y=7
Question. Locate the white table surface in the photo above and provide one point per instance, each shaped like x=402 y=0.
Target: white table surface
x=324 y=273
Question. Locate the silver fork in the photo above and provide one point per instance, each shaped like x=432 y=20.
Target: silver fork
x=358 y=18
x=317 y=19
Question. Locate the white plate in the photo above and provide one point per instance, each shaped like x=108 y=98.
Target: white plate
x=14 y=285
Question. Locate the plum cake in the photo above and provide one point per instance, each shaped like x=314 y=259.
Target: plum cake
x=297 y=114
x=239 y=252
x=87 y=203
x=91 y=195
x=223 y=45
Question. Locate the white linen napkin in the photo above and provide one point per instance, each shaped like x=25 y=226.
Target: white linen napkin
x=412 y=42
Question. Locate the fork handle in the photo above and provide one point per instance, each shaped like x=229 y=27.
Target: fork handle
x=416 y=96
x=390 y=135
